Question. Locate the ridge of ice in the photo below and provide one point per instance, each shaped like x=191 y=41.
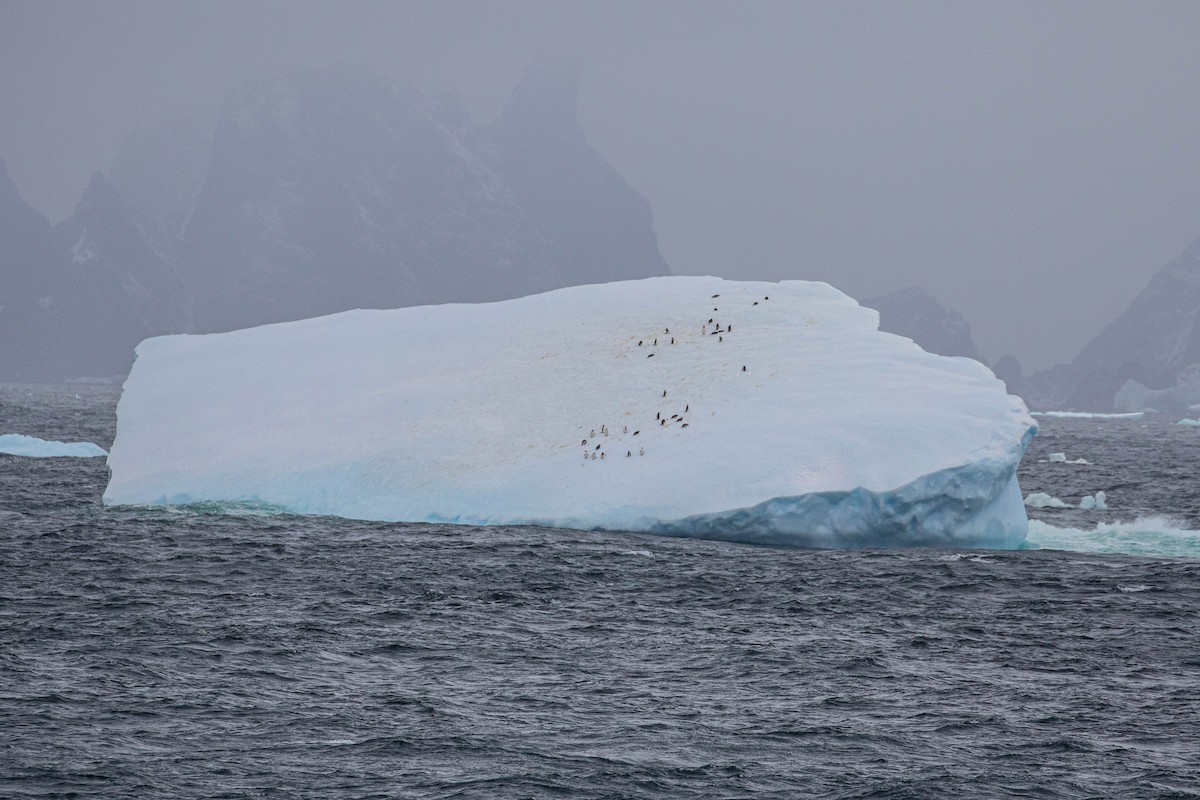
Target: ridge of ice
x=477 y=414
x=16 y=444
x=1087 y=415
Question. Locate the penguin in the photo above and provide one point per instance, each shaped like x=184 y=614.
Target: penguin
x=729 y=329
x=641 y=451
x=663 y=422
x=625 y=429
x=715 y=296
x=640 y=341
x=720 y=338
x=635 y=433
x=710 y=319
x=666 y=330
x=656 y=342
x=593 y=456
x=766 y=298
x=657 y=415
x=602 y=456
x=628 y=453
x=674 y=416
x=597 y=447
x=684 y=425
x=755 y=302
x=584 y=441
x=685 y=408
x=743 y=367
x=650 y=356
x=592 y=435
x=664 y=392
x=672 y=340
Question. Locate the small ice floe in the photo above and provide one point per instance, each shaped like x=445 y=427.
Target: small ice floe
x=1062 y=458
x=1141 y=587
x=976 y=557
x=1085 y=415
x=1191 y=422
x=1094 y=502
x=16 y=444
x=1043 y=500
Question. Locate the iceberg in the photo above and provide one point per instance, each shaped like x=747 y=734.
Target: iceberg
x=685 y=406
x=16 y=444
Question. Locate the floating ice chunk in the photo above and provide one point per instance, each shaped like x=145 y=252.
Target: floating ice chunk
x=1043 y=500
x=16 y=444
x=1085 y=415
x=1062 y=458
x=1094 y=502
x=1191 y=422
x=546 y=410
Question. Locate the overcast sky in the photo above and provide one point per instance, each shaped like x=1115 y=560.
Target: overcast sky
x=1031 y=164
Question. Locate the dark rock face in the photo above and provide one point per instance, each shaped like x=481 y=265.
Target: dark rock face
x=1155 y=343
x=341 y=189
x=916 y=314
x=1008 y=369
x=28 y=261
x=83 y=293
x=315 y=193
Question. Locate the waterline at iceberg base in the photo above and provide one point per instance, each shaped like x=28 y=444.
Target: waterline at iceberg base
x=687 y=406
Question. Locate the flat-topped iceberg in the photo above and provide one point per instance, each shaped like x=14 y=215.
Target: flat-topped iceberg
x=761 y=412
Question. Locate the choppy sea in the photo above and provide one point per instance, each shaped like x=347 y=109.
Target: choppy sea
x=218 y=652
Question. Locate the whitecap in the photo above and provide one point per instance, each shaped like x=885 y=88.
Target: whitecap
x=1157 y=536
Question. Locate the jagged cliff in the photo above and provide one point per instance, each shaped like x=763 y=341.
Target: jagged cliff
x=312 y=193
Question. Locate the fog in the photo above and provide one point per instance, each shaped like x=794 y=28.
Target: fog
x=1030 y=164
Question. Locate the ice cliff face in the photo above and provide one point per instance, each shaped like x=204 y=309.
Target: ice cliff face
x=317 y=192
x=682 y=406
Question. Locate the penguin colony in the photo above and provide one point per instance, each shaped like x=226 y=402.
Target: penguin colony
x=594 y=451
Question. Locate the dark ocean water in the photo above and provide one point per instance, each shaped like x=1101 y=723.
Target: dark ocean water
x=210 y=652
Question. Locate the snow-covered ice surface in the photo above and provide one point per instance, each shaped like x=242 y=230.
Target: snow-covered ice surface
x=16 y=444
x=778 y=414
